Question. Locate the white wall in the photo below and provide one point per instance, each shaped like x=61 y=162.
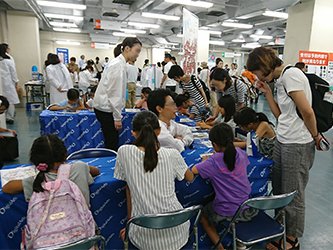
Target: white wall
x=203 y=47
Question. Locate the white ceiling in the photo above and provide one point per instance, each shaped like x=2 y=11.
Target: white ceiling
x=130 y=11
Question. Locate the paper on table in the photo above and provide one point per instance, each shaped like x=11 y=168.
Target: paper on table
x=200 y=135
x=7 y=134
x=207 y=144
x=71 y=111
x=185 y=120
x=17 y=174
x=132 y=110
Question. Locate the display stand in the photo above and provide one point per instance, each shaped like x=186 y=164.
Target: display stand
x=35 y=94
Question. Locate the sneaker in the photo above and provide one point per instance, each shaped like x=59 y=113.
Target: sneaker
x=10 y=121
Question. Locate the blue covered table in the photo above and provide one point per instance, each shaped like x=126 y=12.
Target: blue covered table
x=108 y=200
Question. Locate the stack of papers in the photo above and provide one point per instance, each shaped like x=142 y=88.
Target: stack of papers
x=17 y=173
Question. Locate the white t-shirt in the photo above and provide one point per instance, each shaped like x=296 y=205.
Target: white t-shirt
x=168 y=81
x=204 y=75
x=291 y=128
x=132 y=73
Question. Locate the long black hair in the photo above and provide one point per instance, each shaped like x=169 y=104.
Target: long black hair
x=128 y=41
x=246 y=115
x=228 y=103
x=222 y=135
x=47 y=62
x=145 y=122
x=47 y=149
x=3 y=49
x=54 y=59
x=219 y=74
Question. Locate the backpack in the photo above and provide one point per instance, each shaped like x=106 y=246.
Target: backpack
x=251 y=90
x=57 y=216
x=204 y=87
x=323 y=110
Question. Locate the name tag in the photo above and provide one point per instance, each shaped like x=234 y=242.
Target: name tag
x=57 y=216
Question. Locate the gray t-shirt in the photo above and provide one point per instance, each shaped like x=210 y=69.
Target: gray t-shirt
x=80 y=175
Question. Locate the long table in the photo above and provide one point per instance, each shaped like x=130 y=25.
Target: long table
x=108 y=200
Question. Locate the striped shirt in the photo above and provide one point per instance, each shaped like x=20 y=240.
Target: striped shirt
x=153 y=192
x=193 y=91
x=238 y=96
x=195 y=109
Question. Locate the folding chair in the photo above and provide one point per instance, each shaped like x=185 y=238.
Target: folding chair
x=261 y=227
x=91 y=153
x=84 y=244
x=166 y=220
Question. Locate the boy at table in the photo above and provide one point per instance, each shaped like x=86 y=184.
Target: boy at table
x=173 y=135
x=73 y=101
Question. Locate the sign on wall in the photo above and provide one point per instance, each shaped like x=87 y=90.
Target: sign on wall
x=316 y=62
x=100 y=46
x=190 y=41
x=63 y=55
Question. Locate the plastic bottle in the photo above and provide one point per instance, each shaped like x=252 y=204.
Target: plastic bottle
x=34 y=73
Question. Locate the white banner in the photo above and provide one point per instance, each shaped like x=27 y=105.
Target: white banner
x=190 y=41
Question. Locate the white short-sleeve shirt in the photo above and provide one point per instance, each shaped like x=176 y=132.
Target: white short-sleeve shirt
x=153 y=192
x=169 y=82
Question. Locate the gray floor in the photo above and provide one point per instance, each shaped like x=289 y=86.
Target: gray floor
x=319 y=216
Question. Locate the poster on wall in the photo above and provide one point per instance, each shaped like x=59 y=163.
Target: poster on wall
x=63 y=55
x=190 y=41
x=316 y=62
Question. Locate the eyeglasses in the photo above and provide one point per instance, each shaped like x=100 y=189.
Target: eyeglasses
x=170 y=104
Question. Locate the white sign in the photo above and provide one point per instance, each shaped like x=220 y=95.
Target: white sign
x=100 y=46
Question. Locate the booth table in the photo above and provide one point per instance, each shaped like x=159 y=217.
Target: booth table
x=108 y=200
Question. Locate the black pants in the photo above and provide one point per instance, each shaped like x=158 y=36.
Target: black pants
x=111 y=135
x=172 y=88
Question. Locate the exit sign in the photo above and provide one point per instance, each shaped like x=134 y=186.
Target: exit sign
x=228 y=54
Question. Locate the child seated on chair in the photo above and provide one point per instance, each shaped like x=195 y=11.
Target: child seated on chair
x=150 y=172
x=183 y=102
x=142 y=103
x=90 y=102
x=73 y=101
x=227 y=171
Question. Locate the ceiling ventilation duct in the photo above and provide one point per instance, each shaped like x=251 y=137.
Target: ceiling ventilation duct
x=110 y=13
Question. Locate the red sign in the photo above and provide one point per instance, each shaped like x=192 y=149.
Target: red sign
x=313 y=58
x=98 y=24
x=92 y=45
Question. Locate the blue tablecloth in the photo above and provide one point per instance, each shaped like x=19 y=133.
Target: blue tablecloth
x=108 y=200
x=81 y=130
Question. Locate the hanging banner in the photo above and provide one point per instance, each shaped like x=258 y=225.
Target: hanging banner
x=63 y=55
x=190 y=41
x=100 y=46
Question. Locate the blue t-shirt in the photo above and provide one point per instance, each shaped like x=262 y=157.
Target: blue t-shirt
x=64 y=103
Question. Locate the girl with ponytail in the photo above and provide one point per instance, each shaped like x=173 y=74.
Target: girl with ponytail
x=227 y=171
x=150 y=172
x=247 y=119
x=47 y=153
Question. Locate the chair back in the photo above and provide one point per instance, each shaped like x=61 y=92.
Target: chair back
x=91 y=153
x=166 y=220
x=83 y=244
x=271 y=202
x=51 y=105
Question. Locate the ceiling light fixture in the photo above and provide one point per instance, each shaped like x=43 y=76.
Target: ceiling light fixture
x=237 y=25
x=180 y=35
x=62 y=5
x=123 y=34
x=133 y=31
x=144 y=25
x=160 y=16
x=200 y=4
x=238 y=40
x=248 y=16
x=271 y=43
x=217 y=43
x=67 y=30
x=237 y=54
x=261 y=37
x=213 y=32
x=251 y=45
x=277 y=14
x=49 y=15
x=67 y=43
x=58 y=24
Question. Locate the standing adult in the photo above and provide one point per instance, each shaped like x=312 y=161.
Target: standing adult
x=73 y=69
x=98 y=68
x=132 y=76
x=213 y=99
x=204 y=73
x=59 y=79
x=110 y=95
x=233 y=71
x=81 y=62
x=146 y=64
x=166 y=81
x=9 y=83
x=294 y=148
x=105 y=63
x=7 y=52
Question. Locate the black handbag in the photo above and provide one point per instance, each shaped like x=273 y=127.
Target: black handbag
x=9 y=148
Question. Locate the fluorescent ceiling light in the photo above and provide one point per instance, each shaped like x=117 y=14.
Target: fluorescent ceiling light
x=167 y=50
x=248 y=16
x=144 y=25
x=237 y=54
x=133 y=31
x=181 y=53
x=213 y=32
x=123 y=34
x=261 y=37
x=200 y=4
x=67 y=43
x=217 y=42
x=238 y=40
x=180 y=35
x=160 y=16
x=62 y=5
x=79 y=18
x=271 y=43
x=251 y=45
x=237 y=25
x=276 y=14
x=58 y=24
x=67 y=30
x=214 y=25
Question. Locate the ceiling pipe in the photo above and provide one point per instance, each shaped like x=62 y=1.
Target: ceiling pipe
x=35 y=8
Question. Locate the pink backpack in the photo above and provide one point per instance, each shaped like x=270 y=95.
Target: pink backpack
x=57 y=216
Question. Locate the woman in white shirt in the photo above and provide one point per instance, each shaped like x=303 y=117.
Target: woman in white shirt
x=85 y=78
x=233 y=71
x=9 y=83
x=110 y=95
x=59 y=79
x=294 y=148
x=150 y=172
x=204 y=73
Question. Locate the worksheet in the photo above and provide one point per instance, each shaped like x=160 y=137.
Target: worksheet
x=17 y=173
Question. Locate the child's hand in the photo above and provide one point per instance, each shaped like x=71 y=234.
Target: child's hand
x=238 y=140
x=143 y=97
x=205 y=158
x=122 y=234
x=69 y=106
